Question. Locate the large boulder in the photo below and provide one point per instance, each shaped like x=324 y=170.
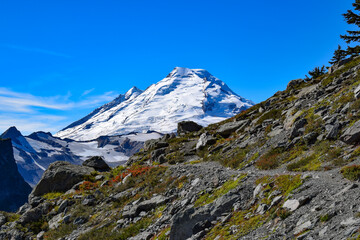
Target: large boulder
x=188 y=126
x=226 y=129
x=296 y=128
x=352 y=134
x=294 y=83
x=97 y=163
x=60 y=177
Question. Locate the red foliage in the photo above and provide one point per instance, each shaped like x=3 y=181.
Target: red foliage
x=134 y=171
x=86 y=186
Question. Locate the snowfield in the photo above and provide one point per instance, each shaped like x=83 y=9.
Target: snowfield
x=185 y=94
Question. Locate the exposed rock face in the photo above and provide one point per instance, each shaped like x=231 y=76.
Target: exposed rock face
x=97 y=163
x=188 y=126
x=13 y=189
x=60 y=177
x=352 y=134
x=228 y=128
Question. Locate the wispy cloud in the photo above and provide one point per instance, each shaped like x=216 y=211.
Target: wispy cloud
x=34 y=113
x=37 y=50
x=22 y=102
x=87 y=92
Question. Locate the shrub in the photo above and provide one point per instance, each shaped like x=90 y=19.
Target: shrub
x=324 y=218
x=270 y=160
x=309 y=163
x=283 y=213
x=272 y=114
x=209 y=198
x=87 y=186
x=351 y=172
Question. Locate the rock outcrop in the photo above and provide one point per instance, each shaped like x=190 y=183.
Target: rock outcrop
x=187 y=127
x=97 y=163
x=60 y=177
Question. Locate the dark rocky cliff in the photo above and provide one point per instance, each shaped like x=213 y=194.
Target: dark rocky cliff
x=14 y=190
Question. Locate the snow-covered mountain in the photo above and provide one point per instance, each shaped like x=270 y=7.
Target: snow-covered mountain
x=34 y=153
x=185 y=94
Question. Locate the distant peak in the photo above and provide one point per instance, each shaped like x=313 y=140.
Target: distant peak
x=12 y=132
x=133 y=91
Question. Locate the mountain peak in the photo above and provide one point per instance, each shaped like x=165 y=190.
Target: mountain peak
x=133 y=92
x=12 y=133
x=185 y=94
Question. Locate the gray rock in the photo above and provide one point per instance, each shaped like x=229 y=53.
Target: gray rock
x=145 y=206
x=60 y=177
x=350 y=221
x=275 y=201
x=187 y=127
x=291 y=204
x=35 y=214
x=262 y=209
x=352 y=134
x=40 y=235
x=63 y=205
x=205 y=140
x=2 y=219
x=89 y=200
x=332 y=131
x=310 y=138
x=97 y=163
x=228 y=128
x=184 y=221
x=143 y=236
x=294 y=83
x=80 y=220
x=357 y=92
x=302 y=227
x=154 y=144
x=55 y=221
x=296 y=128
x=323 y=231
x=344 y=190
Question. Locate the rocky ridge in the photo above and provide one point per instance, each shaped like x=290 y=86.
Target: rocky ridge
x=34 y=153
x=287 y=168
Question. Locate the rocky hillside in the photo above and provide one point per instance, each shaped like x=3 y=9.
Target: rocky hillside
x=14 y=190
x=287 y=168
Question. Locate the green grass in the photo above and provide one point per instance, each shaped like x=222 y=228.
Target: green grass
x=272 y=114
x=211 y=197
x=52 y=195
x=310 y=163
x=351 y=172
x=324 y=218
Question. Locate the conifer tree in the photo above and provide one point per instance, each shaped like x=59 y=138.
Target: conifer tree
x=352 y=36
x=317 y=72
x=339 y=55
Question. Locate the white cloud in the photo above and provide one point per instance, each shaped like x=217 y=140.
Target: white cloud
x=31 y=113
x=87 y=92
x=22 y=102
x=31 y=123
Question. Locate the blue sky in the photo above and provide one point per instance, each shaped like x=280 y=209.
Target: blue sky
x=61 y=59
